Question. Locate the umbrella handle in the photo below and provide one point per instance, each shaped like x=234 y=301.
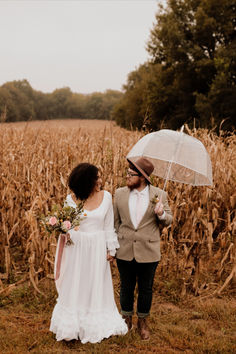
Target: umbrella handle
x=161 y=197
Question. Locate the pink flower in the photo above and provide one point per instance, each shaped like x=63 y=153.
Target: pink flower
x=53 y=221
x=67 y=224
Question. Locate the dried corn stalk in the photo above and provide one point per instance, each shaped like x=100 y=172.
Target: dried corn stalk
x=198 y=249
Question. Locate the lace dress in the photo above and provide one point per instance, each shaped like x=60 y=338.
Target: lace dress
x=85 y=307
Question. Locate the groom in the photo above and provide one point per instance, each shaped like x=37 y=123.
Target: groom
x=139 y=208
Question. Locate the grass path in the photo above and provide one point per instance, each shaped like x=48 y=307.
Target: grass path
x=184 y=326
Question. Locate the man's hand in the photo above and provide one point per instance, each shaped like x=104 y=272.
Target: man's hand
x=110 y=258
x=159 y=209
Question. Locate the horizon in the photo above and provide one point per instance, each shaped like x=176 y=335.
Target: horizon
x=88 y=46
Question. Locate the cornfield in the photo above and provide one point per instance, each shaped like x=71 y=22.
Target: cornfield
x=198 y=249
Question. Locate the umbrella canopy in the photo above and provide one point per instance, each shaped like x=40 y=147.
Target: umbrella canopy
x=176 y=156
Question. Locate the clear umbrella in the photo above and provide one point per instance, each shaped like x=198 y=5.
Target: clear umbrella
x=176 y=156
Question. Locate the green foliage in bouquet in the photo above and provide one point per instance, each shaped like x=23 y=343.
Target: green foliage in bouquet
x=62 y=219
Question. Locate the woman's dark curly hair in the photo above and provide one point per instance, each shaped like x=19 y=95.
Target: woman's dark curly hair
x=82 y=180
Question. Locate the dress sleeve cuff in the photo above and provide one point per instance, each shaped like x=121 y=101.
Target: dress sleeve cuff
x=111 y=241
x=112 y=253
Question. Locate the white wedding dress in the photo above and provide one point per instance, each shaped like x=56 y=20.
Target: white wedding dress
x=85 y=307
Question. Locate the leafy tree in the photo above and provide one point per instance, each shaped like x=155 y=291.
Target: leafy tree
x=131 y=110
x=110 y=98
x=18 y=101
x=99 y=105
x=17 y=97
x=42 y=105
x=94 y=105
x=59 y=101
x=192 y=66
x=76 y=106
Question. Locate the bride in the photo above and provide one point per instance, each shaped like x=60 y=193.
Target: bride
x=85 y=307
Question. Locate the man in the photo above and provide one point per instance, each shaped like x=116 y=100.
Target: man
x=137 y=217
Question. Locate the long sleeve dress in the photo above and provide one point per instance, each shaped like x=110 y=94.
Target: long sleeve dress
x=85 y=307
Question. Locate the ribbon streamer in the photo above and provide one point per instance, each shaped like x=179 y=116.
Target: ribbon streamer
x=60 y=253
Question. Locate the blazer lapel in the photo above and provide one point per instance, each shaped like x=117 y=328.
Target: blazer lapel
x=125 y=200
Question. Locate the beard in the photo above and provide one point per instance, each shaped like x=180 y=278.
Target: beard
x=134 y=185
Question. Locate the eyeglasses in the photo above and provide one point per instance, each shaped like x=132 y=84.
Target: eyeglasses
x=131 y=174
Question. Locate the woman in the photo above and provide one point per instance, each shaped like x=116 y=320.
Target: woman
x=86 y=308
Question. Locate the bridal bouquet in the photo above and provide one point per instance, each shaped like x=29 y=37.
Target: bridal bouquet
x=62 y=219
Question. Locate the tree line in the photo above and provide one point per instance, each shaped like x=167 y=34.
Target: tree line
x=191 y=75
x=20 y=102
x=189 y=78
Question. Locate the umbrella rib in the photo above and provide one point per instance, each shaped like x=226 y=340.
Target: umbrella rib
x=176 y=145
x=171 y=161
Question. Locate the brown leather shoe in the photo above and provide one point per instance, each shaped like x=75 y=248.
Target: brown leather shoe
x=128 y=321
x=143 y=329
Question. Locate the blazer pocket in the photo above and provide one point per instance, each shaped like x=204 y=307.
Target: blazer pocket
x=153 y=240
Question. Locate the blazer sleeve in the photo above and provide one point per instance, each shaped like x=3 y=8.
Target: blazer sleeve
x=117 y=220
x=168 y=214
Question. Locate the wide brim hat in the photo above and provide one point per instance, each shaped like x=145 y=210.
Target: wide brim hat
x=144 y=166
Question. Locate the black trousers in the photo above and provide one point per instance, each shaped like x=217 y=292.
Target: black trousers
x=132 y=272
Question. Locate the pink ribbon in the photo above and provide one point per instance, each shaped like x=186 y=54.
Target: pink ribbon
x=59 y=256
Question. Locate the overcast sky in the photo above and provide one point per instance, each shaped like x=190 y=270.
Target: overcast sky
x=88 y=45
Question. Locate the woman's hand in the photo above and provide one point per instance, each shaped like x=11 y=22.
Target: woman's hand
x=110 y=258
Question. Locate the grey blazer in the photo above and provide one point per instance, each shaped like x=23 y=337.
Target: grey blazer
x=142 y=243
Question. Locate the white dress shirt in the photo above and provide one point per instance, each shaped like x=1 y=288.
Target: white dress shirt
x=133 y=200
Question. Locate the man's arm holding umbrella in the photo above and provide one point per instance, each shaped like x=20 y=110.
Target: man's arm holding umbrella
x=163 y=211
